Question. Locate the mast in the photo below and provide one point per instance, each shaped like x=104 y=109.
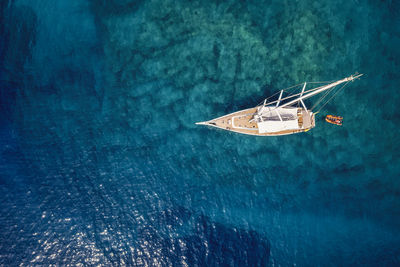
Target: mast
x=351 y=78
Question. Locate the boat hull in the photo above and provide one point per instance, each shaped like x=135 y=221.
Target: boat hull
x=241 y=122
x=337 y=120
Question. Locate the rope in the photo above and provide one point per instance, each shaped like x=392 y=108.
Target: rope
x=323 y=82
x=322 y=98
x=332 y=97
x=290 y=92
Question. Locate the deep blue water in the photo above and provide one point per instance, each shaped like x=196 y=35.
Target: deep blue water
x=101 y=163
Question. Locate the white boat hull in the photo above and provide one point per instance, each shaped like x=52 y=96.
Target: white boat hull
x=242 y=122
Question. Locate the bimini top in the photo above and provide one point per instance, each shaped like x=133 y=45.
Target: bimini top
x=275 y=119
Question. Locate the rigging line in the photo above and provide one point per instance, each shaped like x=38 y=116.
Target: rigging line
x=323 y=82
x=290 y=96
x=323 y=97
x=291 y=90
x=291 y=86
x=286 y=90
x=307 y=82
x=280 y=91
x=333 y=96
x=268 y=98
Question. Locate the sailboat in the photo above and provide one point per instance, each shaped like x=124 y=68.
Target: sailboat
x=286 y=115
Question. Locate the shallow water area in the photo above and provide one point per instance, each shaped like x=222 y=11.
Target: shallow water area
x=101 y=162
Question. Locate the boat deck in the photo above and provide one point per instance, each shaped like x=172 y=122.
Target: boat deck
x=240 y=122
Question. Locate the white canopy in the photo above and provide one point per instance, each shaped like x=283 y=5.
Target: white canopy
x=269 y=121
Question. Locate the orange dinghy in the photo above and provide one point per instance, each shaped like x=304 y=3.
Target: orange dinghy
x=334 y=119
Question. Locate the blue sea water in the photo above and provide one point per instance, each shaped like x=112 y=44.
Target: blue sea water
x=101 y=163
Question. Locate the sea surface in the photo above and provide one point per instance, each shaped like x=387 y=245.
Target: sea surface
x=101 y=163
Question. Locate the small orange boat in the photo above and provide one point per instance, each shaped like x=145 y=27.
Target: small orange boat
x=334 y=119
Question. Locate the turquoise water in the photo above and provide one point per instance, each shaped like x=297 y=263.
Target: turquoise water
x=101 y=162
